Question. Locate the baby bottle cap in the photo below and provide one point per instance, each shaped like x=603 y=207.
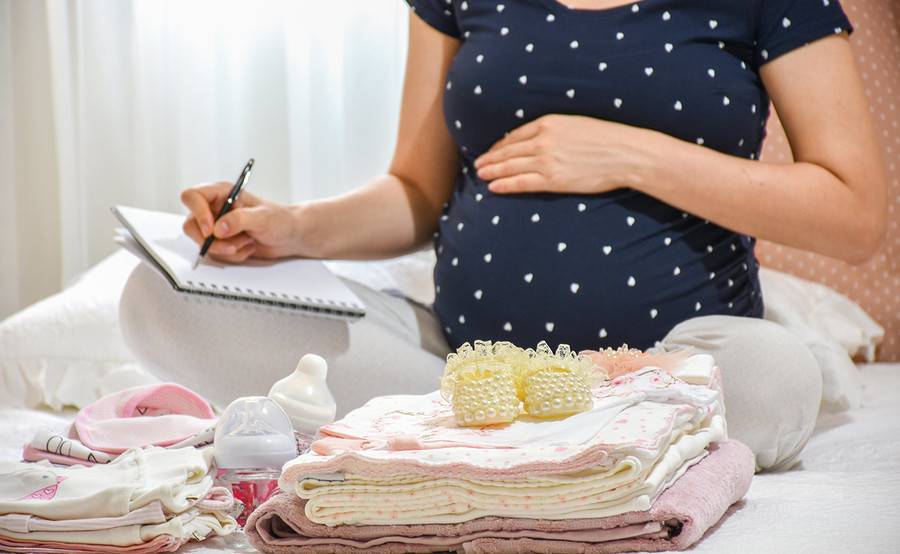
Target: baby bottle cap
x=304 y=395
x=254 y=432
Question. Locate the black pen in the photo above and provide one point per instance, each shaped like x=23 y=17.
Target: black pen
x=226 y=207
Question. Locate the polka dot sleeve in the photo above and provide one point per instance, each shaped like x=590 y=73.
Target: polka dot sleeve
x=438 y=14
x=783 y=25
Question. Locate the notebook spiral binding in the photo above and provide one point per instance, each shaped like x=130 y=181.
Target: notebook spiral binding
x=308 y=303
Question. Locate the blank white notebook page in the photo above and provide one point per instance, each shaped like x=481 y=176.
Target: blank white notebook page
x=300 y=282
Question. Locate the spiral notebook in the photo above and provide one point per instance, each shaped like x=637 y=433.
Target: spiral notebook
x=295 y=283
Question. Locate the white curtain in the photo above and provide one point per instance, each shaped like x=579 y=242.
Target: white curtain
x=108 y=102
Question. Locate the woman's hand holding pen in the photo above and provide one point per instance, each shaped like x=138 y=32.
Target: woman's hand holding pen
x=253 y=228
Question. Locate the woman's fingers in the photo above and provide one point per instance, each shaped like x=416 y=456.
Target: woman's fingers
x=509 y=167
x=243 y=220
x=526 y=182
x=202 y=200
x=235 y=256
x=192 y=229
x=514 y=150
x=230 y=246
x=205 y=201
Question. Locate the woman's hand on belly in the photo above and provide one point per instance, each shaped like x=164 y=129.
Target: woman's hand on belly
x=566 y=154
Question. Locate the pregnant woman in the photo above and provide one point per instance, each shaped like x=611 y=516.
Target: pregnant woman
x=587 y=172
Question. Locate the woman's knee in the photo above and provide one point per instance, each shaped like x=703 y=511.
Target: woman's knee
x=772 y=382
x=143 y=291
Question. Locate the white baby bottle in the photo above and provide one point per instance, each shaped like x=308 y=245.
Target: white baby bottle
x=305 y=397
x=253 y=440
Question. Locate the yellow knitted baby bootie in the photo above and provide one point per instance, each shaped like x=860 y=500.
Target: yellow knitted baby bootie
x=481 y=383
x=556 y=385
x=488 y=383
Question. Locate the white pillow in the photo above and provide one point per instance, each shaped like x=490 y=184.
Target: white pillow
x=831 y=325
x=67 y=350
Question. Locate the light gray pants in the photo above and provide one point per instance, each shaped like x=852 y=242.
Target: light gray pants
x=772 y=382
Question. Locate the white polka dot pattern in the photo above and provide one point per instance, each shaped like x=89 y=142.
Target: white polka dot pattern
x=876 y=284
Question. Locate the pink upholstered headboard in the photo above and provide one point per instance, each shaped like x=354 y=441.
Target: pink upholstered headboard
x=876 y=284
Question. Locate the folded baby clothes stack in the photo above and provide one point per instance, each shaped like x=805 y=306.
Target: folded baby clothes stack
x=146 y=500
x=399 y=474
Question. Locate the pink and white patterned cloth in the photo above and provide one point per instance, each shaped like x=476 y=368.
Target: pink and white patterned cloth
x=403 y=460
x=678 y=519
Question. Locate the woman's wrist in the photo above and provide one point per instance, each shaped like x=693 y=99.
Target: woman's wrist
x=305 y=230
x=654 y=168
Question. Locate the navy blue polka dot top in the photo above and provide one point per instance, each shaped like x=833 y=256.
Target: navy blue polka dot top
x=600 y=270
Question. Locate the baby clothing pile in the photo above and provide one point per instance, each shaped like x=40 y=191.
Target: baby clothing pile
x=146 y=500
x=107 y=485
x=648 y=467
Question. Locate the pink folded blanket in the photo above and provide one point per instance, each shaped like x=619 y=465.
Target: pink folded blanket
x=678 y=519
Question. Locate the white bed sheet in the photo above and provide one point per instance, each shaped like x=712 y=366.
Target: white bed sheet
x=845 y=496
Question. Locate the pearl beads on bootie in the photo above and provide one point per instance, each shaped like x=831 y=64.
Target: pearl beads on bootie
x=486 y=399
x=556 y=393
x=492 y=383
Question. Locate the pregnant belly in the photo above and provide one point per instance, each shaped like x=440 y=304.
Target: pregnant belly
x=589 y=271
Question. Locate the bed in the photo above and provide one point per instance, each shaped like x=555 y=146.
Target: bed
x=844 y=496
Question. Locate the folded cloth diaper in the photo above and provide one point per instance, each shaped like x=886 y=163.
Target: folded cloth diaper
x=149 y=415
x=678 y=519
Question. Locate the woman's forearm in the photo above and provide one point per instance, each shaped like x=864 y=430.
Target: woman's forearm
x=387 y=217
x=798 y=204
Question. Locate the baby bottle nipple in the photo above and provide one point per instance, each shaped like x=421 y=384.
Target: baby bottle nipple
x=305 y=397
